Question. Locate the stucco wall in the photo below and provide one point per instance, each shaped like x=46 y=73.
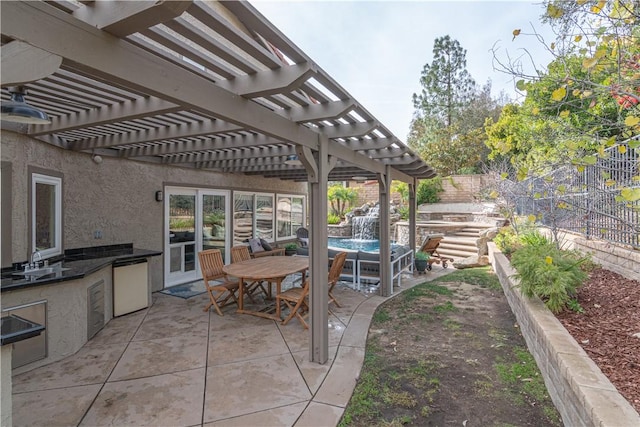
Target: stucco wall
x=115 y=197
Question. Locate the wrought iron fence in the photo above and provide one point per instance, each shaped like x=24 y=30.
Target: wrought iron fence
x=588 y=201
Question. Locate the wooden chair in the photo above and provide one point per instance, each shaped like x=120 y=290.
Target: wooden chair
x=241 y=253
x=221 y=290
x=296 y=300
x=334 y=275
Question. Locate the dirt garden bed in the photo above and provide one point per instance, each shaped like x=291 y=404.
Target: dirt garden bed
x=609 y=329
x=449 y=352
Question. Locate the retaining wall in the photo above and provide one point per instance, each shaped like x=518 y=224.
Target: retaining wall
x=583 y=395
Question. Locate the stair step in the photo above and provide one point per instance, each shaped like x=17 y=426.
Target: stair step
x=458 y=244
x=456 y=254
x=465 y=233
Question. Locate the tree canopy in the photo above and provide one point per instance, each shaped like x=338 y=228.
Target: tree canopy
x=447 y=128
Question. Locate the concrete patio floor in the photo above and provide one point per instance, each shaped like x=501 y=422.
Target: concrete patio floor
x=175 y=365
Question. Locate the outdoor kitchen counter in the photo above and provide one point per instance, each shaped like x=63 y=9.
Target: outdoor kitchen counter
x=73 y=304
x=77 y=267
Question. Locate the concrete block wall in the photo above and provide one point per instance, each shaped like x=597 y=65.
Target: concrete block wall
x=583 y=395
x=462 y=188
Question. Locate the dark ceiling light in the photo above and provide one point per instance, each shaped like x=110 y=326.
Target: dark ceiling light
x=293 y=160
x=18 y=111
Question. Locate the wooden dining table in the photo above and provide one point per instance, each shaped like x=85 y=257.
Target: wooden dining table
x=272 y=269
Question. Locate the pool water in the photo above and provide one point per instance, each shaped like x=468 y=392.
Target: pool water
x=355 y=244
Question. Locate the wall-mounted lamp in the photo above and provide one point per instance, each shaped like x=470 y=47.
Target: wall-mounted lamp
x=18 y=111
x=159 y=196
x=97 y=159
x=293 y=160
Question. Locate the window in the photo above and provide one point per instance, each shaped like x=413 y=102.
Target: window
x=46 y=215
x=290 y=215
x=252 y=217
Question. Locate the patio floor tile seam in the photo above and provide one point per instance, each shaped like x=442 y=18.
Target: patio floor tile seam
x=206 y=369
x=113 y=368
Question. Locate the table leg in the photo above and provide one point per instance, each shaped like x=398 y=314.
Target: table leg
x=241 y=297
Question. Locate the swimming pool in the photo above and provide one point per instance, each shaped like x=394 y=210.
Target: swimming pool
x=356 y=244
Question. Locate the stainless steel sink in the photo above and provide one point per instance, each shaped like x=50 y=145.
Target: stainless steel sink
x=39 y=272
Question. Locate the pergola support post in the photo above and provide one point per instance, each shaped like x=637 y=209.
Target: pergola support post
x=318 y=256
x=413 y=186
x=384 y=190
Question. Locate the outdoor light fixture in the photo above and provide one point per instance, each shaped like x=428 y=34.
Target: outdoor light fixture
x=293 y=160
x=18 y=111
x=97 y=159
x=359 y=178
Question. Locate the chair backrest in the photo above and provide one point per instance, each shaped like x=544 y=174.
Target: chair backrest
x=431 y=243
x=211 y=264
x=302 y=233
x=336 y=267
x=240 y=253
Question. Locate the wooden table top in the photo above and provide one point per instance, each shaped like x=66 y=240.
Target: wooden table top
x=267 y=267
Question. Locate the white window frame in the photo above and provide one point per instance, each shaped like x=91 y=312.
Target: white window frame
x=56 y=182
x=304 y=214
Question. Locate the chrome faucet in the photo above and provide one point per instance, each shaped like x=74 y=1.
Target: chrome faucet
x=33 y=259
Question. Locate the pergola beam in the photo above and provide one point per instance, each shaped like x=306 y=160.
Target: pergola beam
x=266 y=83
x=122 y=18
x=22 y=63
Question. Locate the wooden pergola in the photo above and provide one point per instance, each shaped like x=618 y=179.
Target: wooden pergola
x=207 y=85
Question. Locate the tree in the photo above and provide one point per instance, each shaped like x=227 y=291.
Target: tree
x=588 y=98
x=447 y=86
x=447 y=129
x=340 y=197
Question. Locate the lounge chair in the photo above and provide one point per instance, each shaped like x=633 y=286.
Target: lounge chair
x=430 y=245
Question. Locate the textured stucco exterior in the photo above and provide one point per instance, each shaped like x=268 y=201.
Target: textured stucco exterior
x=5 y=386
x=66 y=326
x=116 y=196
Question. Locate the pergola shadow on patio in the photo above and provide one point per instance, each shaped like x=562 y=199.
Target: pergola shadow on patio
x=205 y=85
x=173 y=364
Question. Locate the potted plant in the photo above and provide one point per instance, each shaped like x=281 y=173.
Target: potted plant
x=290 y=249
x=421 y=261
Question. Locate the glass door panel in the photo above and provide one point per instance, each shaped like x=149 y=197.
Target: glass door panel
x=214 y=222
x=182 y=236
x=196 y=220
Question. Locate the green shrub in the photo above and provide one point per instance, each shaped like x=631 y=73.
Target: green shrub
x=549 y=273
x=422 y=256
x=404 y=212
x=428 y=190
x=534 y=238
x=507 y=240
x=333 y=219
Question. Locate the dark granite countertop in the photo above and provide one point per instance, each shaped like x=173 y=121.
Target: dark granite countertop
x=78 y=263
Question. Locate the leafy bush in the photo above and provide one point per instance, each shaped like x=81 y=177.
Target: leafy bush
x=333 y=219
x=404 y=212
x=549 y=273
x=507 y=240
x=422 y=256
x=428 y=190
x=534 y=238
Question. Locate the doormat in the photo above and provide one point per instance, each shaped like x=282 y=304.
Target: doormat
x=187 y=290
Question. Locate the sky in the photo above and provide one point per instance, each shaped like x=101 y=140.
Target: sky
x=376 y=50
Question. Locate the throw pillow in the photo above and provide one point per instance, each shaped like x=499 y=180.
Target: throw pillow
x=265 y=245
x=255 y=245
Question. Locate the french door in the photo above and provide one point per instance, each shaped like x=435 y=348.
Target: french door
x=195 y=220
